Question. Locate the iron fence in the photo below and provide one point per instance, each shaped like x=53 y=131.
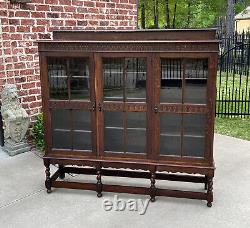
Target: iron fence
x=233 y=94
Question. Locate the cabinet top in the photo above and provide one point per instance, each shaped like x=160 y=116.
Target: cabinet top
x=147 y=34
x=141 y=41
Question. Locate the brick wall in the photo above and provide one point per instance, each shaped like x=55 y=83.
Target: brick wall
x=22 y=24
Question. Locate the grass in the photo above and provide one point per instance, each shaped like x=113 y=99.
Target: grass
x=232 y=80
x=235 y=127
x=228 y=89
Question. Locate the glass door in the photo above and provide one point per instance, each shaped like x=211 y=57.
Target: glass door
x=181 y=104
x=71 y=104
x=124 y=106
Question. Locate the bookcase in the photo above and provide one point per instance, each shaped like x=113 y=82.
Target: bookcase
x=138 y=104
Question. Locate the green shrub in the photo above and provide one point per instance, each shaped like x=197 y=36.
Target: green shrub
x=38 y=133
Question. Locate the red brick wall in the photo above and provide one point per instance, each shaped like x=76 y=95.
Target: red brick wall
x=22 y=24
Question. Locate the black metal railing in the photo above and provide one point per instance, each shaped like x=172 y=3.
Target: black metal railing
x=233 y=94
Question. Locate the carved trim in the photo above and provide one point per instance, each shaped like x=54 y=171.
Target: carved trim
x=171 y=108
x=210 y=191
x=70 y=104
x=99 y=184
x=113 y=106
x=130 y=107
x=152 y=189
x=129 y=46
x=195 y=109
x=122 y=106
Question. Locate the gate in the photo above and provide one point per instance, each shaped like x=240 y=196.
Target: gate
x=233 y=93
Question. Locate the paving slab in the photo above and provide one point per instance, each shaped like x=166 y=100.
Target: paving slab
x=25 y=203
x=3 y=154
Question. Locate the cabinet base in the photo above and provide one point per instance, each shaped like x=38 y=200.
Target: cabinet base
x=152 y=191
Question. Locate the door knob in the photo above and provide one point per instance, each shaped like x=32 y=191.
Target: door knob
x=94 y=106
x=156 y=109
x=99 y=107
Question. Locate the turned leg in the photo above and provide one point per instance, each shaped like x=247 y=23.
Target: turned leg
x=152 y=187
x=61 y=172
x=209 y=191
x=99 y=182
x=47 y=172
x=205 y=182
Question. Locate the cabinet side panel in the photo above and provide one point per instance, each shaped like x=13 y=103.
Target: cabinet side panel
x=45 y=102
x=211 y=106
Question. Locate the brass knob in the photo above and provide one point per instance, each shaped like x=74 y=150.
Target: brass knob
x=93 y=106
x=156 y=109
x=100 y=107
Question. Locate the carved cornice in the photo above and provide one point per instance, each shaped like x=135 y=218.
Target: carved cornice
x=128 y=46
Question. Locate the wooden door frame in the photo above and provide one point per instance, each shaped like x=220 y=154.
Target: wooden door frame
x=181 y=108
x=48 y=104
x=122 y=106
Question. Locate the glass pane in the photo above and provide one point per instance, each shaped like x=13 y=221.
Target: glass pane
x=81 y=120
x=61 y=139
x=136 y=120
x=58 y=80
x=170 y=134
x=136 y=140
x=82 y=140
x=135 y=79
x=60 y=119
x=113 y=139
x=113 y=119
x=196 y=74
x=194 y=124
x=113 y=79
x=79 y=81
x=193 y=146
x=171 y=81
x=170 y=145
x=170 y=124
x=113 y=133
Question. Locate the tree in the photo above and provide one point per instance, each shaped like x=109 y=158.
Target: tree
x=230 y=18
x=175 y=9
x=187 y=13
x=167 y=15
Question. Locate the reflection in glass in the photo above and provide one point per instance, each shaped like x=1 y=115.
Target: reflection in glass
x=79 y=79
x=135 y=79
x=196 y=74
x=124 y=79
x=171 y=81
x=193 y=146
x=68 y=72
x=113 y=79
x=58 y=80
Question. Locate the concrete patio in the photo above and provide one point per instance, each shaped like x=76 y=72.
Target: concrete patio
x=25 y=203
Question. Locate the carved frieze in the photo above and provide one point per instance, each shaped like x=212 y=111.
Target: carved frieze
x=105 y=46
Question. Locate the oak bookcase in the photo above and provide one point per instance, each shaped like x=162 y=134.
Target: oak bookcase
x=138 y=104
